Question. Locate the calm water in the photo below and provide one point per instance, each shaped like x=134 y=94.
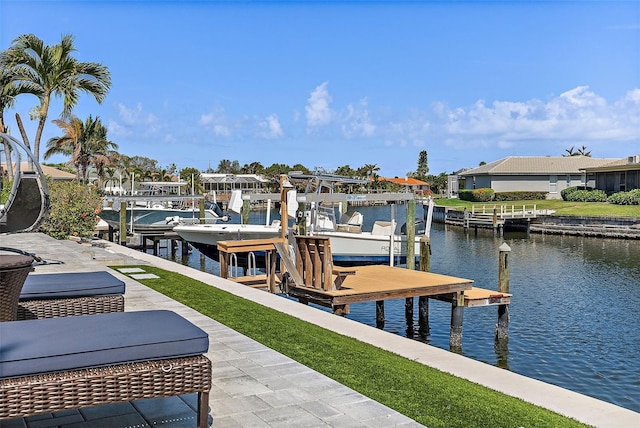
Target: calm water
x=575 y=311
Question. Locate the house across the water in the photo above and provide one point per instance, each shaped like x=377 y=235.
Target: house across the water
x=620 y=175
x=549 y=174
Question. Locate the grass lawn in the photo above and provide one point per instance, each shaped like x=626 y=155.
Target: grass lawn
x=429 y=396
x=595 y=209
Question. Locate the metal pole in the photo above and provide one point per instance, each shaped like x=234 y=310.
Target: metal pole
x=283 y=208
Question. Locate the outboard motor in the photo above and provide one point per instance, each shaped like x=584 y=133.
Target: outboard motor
x=215 y=207
x=420 y=226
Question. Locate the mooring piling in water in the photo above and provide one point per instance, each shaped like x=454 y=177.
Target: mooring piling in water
x=502 y=327
x=423 y=301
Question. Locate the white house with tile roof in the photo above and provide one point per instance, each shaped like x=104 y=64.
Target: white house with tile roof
x=533 y=174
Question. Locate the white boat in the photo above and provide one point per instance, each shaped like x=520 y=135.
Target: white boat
x=158 y=212
x=349 y=244
x=205 y=237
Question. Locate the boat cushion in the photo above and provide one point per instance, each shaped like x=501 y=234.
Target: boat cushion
x=61 y=344
x=72 y=284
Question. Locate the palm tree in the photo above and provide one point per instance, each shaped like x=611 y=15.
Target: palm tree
x=49 y=71
x=86 y=144
x=9 y=90
x=370 y=169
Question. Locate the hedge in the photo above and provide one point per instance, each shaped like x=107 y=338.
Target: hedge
x=520 y=196
x=569 y=190
x=631 y=197
x=485 y=194
x=587 y=196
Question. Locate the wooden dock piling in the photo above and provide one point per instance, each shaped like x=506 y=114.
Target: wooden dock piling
x=423 y=301
x=411 y=256
x=502 y=327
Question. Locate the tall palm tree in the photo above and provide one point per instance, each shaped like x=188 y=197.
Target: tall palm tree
x=86 y=144
x=370 y=169
x=50 y=71
x=9 y=90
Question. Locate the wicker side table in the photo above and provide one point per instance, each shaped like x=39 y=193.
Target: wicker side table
x=13 y=272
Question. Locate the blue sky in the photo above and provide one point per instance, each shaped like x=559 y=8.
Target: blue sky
x=327 y=84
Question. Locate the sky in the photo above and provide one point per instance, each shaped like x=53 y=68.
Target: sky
x=328 y=84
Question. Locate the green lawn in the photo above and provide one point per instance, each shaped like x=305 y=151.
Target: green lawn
x=595 y=209
x=429 y=396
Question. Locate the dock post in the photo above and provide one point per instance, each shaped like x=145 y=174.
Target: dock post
x=185 y=248
x=423 y=301
x=201 y=209
x=411 y=257
x=465 y=219
x=495 y=221
x=502 y=327
x=123 y=223
x=380 y=314
x=246 y=211
x=457 y=314
x=302 y=225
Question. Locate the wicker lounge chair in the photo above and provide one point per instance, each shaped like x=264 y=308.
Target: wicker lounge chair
x=48 y=365
x=76 y=293
x=14 y=269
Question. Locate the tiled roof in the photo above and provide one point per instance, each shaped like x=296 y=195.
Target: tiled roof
x=532 y=165
x=49 y=171
x=404 y=181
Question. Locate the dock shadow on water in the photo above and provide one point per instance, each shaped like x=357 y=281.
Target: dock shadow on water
x=575 y=311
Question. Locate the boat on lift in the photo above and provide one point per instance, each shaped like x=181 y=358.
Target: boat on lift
x=350 y=245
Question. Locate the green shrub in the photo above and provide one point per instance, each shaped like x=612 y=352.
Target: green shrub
x=631 y=197
x=587 y=196
x=4 y=190
x=520 y=196
x=74 y=210
x=477 y=195
x=483 y=195
x=565 y=193
x=466 y=195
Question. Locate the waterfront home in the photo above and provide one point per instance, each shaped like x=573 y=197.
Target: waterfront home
x=549 y=174
x=620 y=175
x=410 y=184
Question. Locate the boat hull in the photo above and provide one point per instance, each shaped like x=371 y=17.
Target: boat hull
x=365 y=248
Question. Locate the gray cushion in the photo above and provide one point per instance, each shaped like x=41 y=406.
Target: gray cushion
x=73 y=284
x=61 y=344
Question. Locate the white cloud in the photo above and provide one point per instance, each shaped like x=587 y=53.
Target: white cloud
x=269 y=127
x=357 y=122
x=133 y=121
x=215 y=122
x=575 y=115
x=318 y=110
x=135 y=115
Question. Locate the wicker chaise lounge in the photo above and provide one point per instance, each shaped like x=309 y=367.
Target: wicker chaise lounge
x=64 y=294
x=52 y=364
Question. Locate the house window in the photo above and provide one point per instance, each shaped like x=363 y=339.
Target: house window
x=583 y=178
x=553 y=184
x=623 y=181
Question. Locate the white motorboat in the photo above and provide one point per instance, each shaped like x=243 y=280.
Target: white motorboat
x=158 y=213
x=349 y=244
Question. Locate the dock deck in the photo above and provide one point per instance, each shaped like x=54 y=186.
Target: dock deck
x=379 y=282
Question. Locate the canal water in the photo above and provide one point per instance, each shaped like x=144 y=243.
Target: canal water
x=575 y=311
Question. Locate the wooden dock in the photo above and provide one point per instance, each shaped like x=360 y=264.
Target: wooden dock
x=312 y=278
x=380 y=282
